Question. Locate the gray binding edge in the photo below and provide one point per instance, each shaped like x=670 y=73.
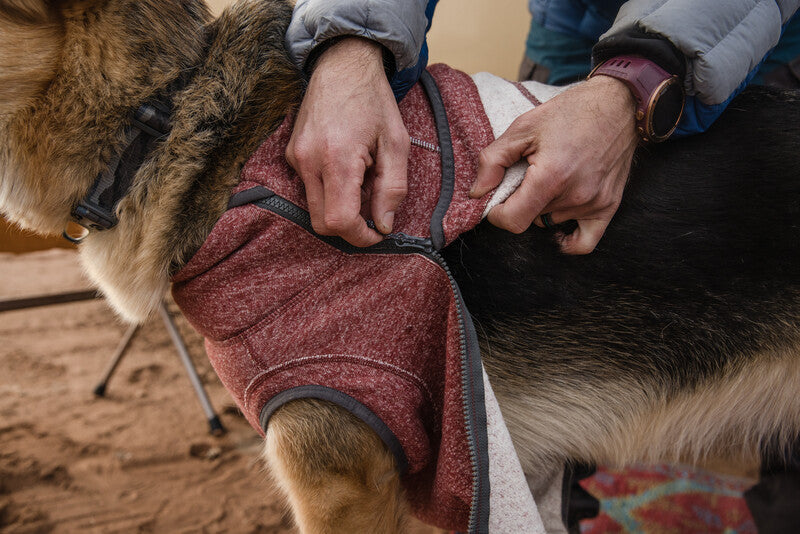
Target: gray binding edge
x=448 y=160
x=345 y=401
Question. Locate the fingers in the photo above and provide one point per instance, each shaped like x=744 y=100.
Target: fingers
x=541 y=193
x=586 y=236
x=590 y=226
x=529 y=200
x=587 y=230
x=390 y=184
x=333 y=191
x=513 y=145
x=348 y=140
x=341 y=213
x=316 y=203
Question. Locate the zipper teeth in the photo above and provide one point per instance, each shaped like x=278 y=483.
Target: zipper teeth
x=396 y=243
x=465 y=407
x=295 y=213
x=401 y=241
x=424 y=144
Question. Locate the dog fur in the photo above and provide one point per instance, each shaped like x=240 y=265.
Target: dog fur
x=677 y=339
x=111 y=57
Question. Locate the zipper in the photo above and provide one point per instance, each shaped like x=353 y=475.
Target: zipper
x=466 y=409
x=424 y=246
x=401 y=243
x=424 y=144
x=287 y=210
x=397 y=243
x=419 y=244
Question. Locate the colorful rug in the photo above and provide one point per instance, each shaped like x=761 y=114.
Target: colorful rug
x=668 y=499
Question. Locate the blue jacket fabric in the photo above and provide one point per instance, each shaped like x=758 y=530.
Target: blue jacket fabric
x=404 y=79
x=587 y=19
x=726 y=43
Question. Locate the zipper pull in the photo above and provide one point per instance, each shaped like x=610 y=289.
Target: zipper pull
x=407 y=241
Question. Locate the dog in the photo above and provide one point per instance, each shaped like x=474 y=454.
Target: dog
x=676 y=339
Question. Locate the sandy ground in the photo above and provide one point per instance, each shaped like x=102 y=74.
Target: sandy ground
x=139 y=460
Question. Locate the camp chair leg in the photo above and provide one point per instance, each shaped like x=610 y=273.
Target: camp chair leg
x=214 y=423
x=100 y=389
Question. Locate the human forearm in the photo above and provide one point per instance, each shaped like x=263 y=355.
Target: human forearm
x=398 y=25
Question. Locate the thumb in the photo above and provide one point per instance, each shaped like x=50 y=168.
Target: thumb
x=493 y=161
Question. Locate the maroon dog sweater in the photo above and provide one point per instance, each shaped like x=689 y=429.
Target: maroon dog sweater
x=380 y=331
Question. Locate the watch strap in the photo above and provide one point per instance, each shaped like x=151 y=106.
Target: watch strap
x=648 y=82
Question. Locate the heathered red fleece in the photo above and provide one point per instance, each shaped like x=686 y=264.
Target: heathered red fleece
x=287 y=315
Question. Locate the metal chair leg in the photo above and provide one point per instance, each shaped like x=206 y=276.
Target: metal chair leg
x=100 y=389
x=214 y=423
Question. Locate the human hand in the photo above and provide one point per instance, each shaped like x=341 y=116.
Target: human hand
x=579 y=146
x=349 y=144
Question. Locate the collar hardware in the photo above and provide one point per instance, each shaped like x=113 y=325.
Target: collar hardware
x=148 y=124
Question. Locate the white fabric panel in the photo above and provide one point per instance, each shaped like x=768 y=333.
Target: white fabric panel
x=512 y=508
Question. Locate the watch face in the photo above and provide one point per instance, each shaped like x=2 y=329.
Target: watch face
x=667 y=109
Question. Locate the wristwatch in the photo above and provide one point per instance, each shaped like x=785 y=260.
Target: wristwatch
x=659 y=94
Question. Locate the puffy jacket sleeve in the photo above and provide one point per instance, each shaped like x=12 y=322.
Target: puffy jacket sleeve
x=399 y=25
x=722 y=42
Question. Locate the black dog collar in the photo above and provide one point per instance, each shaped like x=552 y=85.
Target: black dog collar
x=150 y=123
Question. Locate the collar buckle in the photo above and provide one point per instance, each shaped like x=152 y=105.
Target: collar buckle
x=93 y=216
x=96 y=211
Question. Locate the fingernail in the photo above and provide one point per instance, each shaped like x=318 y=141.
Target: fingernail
x=388 y=221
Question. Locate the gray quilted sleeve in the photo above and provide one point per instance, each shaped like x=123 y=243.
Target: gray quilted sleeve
x=399 y=25
x=722 y=40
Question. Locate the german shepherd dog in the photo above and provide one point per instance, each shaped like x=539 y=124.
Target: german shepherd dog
x=677 y=339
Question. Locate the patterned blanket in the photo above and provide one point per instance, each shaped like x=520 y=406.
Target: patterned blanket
x=667 y=498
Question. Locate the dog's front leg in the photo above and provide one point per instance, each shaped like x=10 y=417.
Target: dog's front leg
x=336 y=472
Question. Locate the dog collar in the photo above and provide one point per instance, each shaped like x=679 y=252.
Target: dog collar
x=150 y=123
